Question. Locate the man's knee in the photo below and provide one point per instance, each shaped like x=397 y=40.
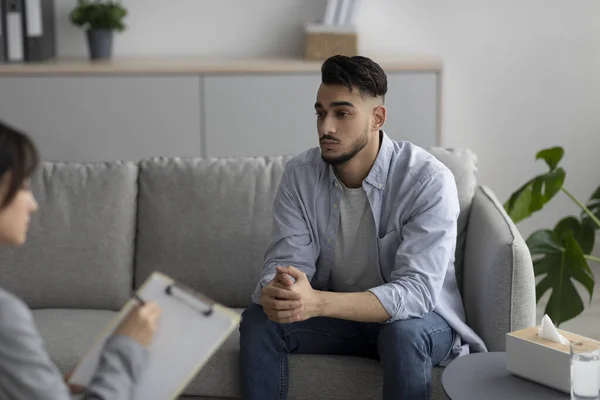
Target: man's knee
x=254 y=312
x=429 y=336
x=253 y=315
x=403 y=334
x=255 y=322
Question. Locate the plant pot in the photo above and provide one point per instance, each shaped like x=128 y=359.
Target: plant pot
x=100 y=43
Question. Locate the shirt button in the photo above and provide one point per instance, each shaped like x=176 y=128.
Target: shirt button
x=380 y=186
x=328 y=240
x=335 y=206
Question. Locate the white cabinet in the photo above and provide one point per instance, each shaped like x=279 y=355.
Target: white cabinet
x=132 y=111
x=412 y=105
x=250 y=115
x=260 y=115
x=99 y=118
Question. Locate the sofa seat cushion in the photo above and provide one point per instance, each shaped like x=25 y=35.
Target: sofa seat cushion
x=69 y=333
x=311 y=376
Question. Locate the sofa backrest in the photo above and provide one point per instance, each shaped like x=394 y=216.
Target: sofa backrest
x=463 y=164
x=206 y=222
x=104 y=227
x=79 y=252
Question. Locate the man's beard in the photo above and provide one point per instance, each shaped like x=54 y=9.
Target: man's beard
x=357 y=146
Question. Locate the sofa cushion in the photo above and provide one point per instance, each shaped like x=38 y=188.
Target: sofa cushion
x=206 y=222
x=311 y=376
x=79 y=253
x=499 y=291
x=183 y=233
x=463 y=165
x=68 y=334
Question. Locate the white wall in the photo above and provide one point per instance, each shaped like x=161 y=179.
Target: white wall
x=519 y=75
x=205 y=27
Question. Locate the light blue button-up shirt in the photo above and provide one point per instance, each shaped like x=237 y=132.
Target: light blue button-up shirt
x=414 y=200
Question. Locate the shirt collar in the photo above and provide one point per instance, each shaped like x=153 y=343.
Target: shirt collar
x=378 y=174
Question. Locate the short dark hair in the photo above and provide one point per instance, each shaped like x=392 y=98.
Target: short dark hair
x=18 y=156
x=356 y=71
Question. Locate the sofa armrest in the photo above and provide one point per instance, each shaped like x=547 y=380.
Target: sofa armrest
x=498 y=279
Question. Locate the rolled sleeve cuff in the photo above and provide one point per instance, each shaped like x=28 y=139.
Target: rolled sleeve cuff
x=263 y=282
x=392 y=301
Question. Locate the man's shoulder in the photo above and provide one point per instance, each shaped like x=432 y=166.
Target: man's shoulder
x=416 y=162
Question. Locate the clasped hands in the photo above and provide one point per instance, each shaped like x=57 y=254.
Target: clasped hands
x=285 y=300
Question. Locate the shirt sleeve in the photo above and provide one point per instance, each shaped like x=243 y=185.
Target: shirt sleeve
x=27 y=372
x=426 y=250
x=291 y=240
x=121 y=365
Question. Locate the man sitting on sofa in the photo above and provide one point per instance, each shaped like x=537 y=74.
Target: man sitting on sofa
x=361 y=260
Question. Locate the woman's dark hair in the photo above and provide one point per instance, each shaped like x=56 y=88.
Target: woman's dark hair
x=356 y=71
x=19 y=157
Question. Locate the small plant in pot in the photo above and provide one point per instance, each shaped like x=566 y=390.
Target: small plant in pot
x=100 y=19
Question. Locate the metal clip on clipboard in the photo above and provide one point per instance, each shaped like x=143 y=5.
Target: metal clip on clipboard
x=187 y=295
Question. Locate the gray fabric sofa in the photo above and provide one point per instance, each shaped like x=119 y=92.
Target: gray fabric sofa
x=104 y=227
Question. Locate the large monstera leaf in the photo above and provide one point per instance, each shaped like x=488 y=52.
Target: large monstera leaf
x=535 y=193
x=559 y=255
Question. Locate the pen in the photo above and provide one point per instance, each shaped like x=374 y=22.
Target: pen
x=138 y=298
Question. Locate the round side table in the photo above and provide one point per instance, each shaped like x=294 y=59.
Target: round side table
x=484 y=376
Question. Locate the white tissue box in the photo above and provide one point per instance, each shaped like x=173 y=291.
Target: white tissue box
x=541 y=360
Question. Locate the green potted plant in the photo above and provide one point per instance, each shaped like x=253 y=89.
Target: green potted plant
x=100 y=19
x=561 y=254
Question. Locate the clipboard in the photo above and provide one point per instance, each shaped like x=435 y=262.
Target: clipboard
x=190 y=330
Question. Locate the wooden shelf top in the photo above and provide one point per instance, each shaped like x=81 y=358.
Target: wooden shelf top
x=198 y=65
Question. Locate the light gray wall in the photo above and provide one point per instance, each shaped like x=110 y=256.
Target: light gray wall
x=519 y=75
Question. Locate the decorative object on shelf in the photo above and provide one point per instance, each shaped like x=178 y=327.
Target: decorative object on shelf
x=100 y=19
x=560 y=254
x=323 y=41
x=337 y=34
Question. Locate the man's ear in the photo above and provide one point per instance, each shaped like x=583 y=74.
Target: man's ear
x=379 y=115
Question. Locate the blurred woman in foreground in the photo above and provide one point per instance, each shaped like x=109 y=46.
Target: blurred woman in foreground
x=26 y=371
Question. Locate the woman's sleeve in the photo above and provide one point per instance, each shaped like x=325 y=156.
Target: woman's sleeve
x=27 y=372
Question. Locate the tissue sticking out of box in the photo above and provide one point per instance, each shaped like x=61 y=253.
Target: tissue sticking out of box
x=548 y=331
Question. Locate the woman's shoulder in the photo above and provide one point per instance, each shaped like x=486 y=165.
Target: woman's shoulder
x=13 y=310
x=8 y=299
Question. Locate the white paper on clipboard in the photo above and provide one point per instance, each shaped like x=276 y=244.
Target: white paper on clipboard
x=191 y=328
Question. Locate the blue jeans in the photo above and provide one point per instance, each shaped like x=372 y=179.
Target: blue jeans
x=407 y=350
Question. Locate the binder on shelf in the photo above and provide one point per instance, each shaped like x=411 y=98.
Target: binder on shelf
x=40 y=35
x=353 y=12
x=14 y=30
x=190 y=330
x=27 y=30
x=2 y=35
x=343 y=12
x=330 y=12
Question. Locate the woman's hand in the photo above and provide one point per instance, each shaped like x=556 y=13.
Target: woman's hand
x=74 y=389
x=140 y=324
